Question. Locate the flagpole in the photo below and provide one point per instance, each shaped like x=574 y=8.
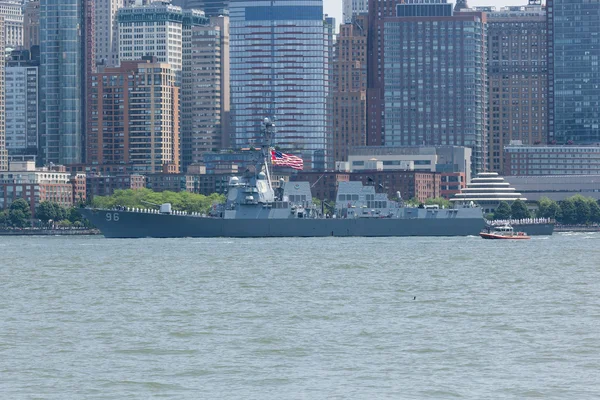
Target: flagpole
x=268 y=129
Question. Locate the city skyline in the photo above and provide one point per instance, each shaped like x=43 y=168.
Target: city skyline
x=333 y=8
x=292 y=77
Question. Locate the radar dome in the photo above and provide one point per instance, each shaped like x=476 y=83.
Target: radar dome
x=262 y=176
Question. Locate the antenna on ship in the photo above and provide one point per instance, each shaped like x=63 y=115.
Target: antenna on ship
x=267 y=131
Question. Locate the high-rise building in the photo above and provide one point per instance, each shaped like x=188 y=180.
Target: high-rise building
x=574 y=82
x=349 y=88
x=353 y=8
x=66 y=59
x=12 y=11
x=135 y=118
x=3 y=152
x=88 y=49
x=31 y=24
x=21 y=102
x=517 y=74
x=212 y=8
x=326 y=159
x=279 y=69
x=107 y=43
x=427 y=76
x=177 y=37
x=205 y=90
x=156 y=30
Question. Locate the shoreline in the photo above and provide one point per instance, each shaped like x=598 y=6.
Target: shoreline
x=49 y=232
x=558 y=228
x=93 y=232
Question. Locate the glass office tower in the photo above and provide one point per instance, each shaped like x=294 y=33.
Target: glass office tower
x=279 y=57
x=61 y=80
x=574 y=84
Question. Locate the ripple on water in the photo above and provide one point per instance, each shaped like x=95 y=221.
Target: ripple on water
x=234 y=318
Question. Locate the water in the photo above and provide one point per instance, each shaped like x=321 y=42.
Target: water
x=87 y=317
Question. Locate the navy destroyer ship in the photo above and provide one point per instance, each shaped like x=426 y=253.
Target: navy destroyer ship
x=254 y=208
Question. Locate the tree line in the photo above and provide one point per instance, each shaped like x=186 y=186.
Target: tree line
x=47 y=213
x=575 y=210
x=146 y=198
x=19 y=215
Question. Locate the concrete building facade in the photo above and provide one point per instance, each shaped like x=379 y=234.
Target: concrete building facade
x=35 y=185
x=205 y=102
x=435 y=78
x=488 y=189
x=349 y=88
x=442 y=159
x=518 y=78
x=522 y=160
x=156 y=29
x=557 y=187
x=105 y=185
x=353 y=8
x=31 y=24
x=422 y=57
x=12 y=11
x=135 y=117
x=107 y=43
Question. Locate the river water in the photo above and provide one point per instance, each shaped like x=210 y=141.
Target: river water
x=335 y=318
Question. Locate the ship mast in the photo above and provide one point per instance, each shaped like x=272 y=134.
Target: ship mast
x=267 y=131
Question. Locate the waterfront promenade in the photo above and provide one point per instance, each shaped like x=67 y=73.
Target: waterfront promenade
x=47 y=231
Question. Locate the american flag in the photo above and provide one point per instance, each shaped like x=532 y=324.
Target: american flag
x=286 y=160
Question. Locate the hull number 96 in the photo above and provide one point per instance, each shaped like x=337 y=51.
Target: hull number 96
x=112 y=217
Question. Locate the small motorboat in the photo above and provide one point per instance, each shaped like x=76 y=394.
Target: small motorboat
x=502 y=232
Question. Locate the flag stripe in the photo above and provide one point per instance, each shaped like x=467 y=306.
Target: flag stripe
x=286 y=160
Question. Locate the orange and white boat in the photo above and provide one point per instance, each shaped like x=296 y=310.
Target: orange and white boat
x=503 y=232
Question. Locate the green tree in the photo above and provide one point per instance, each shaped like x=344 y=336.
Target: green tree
x=543 y=206
x=65 y=223
x=554 y=211
x=519 y=210
x=594 y=211
x=548 y=208
x=23 y=206
x=503 y=211
x=73 y=215
x=440 y=201
x=413 y=202
x=4 y=219
x=568 y=212
x=60 y=211
x=145 y=198
x=17 y=218
x=328 y=206
x=46 y=211
x=582 y=208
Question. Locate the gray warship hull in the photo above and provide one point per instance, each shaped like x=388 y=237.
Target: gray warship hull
x=535 y=229
x=127 y=224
